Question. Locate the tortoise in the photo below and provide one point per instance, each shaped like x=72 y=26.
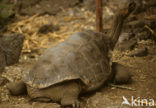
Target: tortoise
x=80 y=64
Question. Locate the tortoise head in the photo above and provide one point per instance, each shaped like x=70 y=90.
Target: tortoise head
x=125 y=12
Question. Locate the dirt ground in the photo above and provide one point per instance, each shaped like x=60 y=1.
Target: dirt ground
x=69 y=21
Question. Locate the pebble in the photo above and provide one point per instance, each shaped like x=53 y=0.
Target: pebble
x=139 y=52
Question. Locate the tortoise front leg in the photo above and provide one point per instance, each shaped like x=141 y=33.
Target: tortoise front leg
x=70 y=101
x=122 y=73
x=70 y=95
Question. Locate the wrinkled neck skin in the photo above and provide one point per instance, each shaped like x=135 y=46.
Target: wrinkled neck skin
x=116 y=30
x=118 y=23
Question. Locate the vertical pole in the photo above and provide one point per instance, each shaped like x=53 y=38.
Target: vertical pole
x=99 y=15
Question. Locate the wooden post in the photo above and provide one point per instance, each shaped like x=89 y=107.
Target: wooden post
x=99 y=15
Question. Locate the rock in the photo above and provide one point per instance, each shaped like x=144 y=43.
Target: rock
x=135 y=24
x=139 y=52
x=48 y=28
x=12 y=45
x=143 y=5
x=2 y=60
x=149 y=3
x=138 y=26
x=126 y=45
x=125 y=37
x=143 y=35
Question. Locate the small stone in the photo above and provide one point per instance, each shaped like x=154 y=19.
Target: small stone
x=139 y=52
x=125 y=37
x=127 y=45
x=136 y=24
x=143 y=35
x=48 y=28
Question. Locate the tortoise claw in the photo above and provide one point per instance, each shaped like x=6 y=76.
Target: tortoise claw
x=72 y=104
x=76 y=104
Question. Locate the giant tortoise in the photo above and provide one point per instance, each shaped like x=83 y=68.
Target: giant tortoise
x=80 y=64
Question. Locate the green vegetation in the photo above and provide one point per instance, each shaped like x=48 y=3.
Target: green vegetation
x=5 y=12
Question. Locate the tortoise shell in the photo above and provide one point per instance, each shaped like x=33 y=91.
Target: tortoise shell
x=82 y=56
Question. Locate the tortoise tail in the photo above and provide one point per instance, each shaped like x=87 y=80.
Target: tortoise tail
x=118 y=22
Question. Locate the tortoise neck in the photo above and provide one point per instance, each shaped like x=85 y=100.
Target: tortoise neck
x=118 y=22
x=116 y=30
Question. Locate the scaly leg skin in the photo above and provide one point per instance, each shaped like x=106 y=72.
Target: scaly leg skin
x=17 y=88
x=70 y=96
x=38 y=94
x=70 y=101
x=122 y=74
x=122 y=78
x=67 y=93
